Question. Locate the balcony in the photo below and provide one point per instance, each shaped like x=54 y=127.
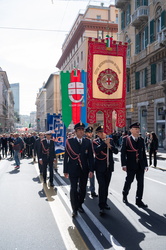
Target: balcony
x=121 y=3
x=140 y=16
x=162 y=37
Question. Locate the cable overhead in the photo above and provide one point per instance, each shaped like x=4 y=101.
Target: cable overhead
x=30 y=29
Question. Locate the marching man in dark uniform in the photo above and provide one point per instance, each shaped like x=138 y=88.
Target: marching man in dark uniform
x=78 y=164
x=104 y=165
x=37 y=150
x=89 y=136
x=134 y=162
x=47 y=156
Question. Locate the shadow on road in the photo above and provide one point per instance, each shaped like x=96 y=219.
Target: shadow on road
x=151 y=220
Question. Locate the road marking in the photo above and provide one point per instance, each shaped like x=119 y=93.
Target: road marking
x=162 y=183
x=110 y=238
x=87 y=231
x=69 y=233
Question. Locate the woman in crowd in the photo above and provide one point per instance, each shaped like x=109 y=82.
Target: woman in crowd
x=153 y=148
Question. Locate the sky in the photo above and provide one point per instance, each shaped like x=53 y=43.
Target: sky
x=31 y=36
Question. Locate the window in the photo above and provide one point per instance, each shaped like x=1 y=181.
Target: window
x=137 y=80
x=128 y=14
x=141 y=40
x=139 y=3
x=159 y=72
x=158 y=19
x=116 y=18
x=98 y=17
x=157 y=24
x=128 y=84
x=100 y=34
x=81 y=55
x=142 y=79
x=122 y=20
x=82 y=38
x=160 y=113
x=153 y=73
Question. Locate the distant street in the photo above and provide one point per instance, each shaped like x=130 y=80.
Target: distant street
x=36 y=216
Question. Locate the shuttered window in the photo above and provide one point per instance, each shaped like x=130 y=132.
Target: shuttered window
x=152 y=31
x=137 y=83
x=146 y=77
x=163 y=20
x=153 y=73
x=128 y=14
x=146 y=36
x=122 y=20
x=145 y=2
x=137 y=44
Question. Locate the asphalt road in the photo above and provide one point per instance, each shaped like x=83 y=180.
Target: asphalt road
x=35 y=216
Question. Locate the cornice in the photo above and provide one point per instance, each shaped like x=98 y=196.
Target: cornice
x=81 y=28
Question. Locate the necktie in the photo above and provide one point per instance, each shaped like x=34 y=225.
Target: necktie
x=79 y=141
x=48 y=142
x=136 y=139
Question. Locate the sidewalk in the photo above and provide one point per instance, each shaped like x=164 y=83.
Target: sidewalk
x=161 y=155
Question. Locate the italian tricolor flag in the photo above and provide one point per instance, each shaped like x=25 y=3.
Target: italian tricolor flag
x=109 y=41
x=73 y=92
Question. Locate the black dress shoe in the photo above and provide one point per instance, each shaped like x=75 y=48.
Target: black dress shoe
x=141 y=204
x=107 y=207
x=81 y=210
x=94 y=194
x=101 y=212
x=74 y=213
x=125 y=199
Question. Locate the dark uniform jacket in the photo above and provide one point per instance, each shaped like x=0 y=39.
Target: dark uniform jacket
x=4 y=141
x=78 y=157
x=154 y=144
x=38 y=146
x=100 y=149
x=133 y=152
x=47 y=151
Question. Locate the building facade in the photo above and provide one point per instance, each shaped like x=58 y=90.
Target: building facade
x=41 y=109
x=143 y=25
x=15 y=87
x=96 y=22
x=48 y=101
x=6 y=104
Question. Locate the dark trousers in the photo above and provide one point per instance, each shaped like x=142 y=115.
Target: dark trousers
x=40 y=167
x=48 y=162
x=139 y=173
x=78 y=190
x=153 y=152
x=4 y=151
x=103 y=181
x=11 y=150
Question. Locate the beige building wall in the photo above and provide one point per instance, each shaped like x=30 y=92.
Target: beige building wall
x=41 y=109
x=53 y=96
x=96 y=22
x=144 y=28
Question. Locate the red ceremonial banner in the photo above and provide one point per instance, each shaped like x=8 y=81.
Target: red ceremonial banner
x=106 y=84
